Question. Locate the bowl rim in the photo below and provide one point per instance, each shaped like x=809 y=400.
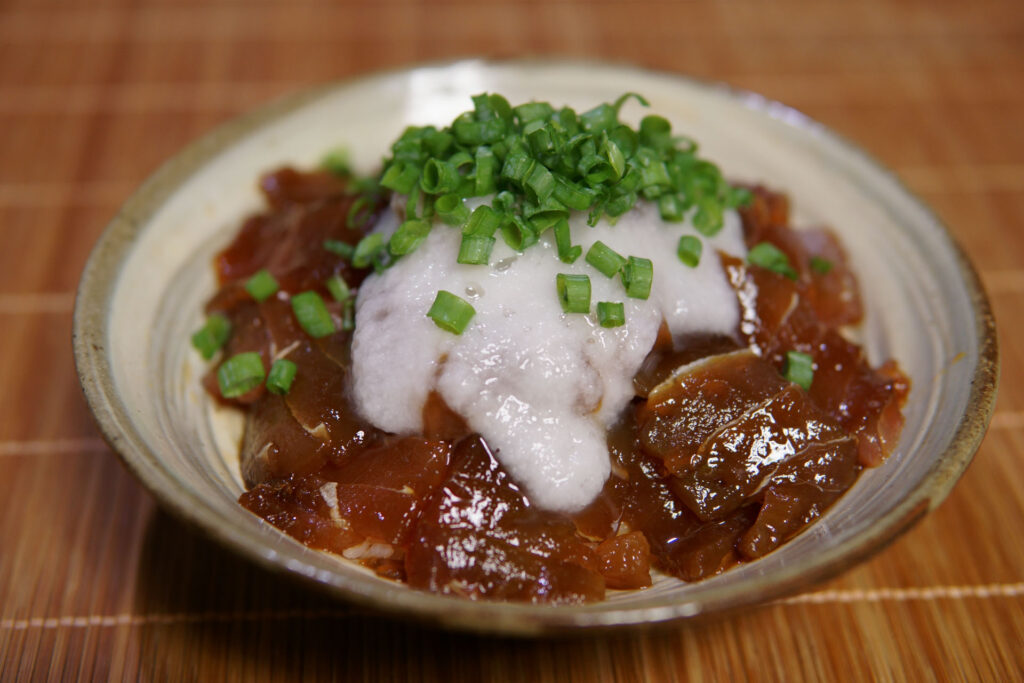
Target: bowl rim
x=91 y=317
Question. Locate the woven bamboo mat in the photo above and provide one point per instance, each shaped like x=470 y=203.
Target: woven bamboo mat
x=95 y=582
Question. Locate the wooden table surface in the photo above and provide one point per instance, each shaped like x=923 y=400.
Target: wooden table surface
x=96 y=582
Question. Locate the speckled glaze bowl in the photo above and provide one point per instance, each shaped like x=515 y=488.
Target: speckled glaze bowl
x=142 y=292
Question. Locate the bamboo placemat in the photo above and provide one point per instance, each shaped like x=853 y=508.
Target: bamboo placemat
x=95 y=582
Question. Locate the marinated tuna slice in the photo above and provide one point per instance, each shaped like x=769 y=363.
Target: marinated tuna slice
x=288 y=186
x=479 y=537
x=637 y=498
x=687 y=409
x=625 y=561
x=777 y=317
x=723 y=426
x=297 y=506
x=289 y=241
x=799 y=492
x=275 y=445
x=363 y=508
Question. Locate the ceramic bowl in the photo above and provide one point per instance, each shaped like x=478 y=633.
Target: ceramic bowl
x=142 y=292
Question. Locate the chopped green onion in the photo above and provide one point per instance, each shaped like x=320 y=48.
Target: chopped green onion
x=611 y=313
x=605 y=259
x=367 y=250
x=671 y=208
x=768 y=256
x=573 y=292
x=400 y=177
x=483 y=221
x=439 y=177
x=407 y=238
x=637 y=276
x=282 y=374
x=339 y=248
x=240 y=374
x=567 y=253
x=517 y=233
x=348 y=315
x=452 y=210
x=450 y=313
x=532 y=111
x=486 y=168
x=338 y=288
x=689 y=250
x=337 y=161
x=312 y=314
x=262 y=285
x=820 y=265
x=475 y=249
x=799 y=369
x=212 y=335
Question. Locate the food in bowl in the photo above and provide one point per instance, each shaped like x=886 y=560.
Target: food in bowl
x=539 y=354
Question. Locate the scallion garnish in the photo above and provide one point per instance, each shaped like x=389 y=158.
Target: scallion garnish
x=240 y=374
x=689 y=250
x=212 y=335
x=820 y=265
x=799 y=369
x=637 y=276
x=611 y=313
x=451 y=313
x=605 y=259
x=367 y=250
x=339 y=248
x=567 y=252
x=405 y=240
x=768 y=256
x=337 y=161
x=262 y=285
x=338 y=288
x=475 y=249
x=348 y=315
x=282 y=374
x=312 y=314
x=573 y=292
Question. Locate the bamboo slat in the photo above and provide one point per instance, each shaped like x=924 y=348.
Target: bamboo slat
x=97 y=583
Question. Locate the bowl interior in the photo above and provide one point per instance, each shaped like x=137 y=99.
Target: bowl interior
x=143 y=291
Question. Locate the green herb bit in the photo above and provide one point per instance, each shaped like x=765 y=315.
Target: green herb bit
x=820 y=265
x=605 y=259
x=208 y=339
x=367 y=249
x=452 y=210
x=799 y=369
x=637 y=276
x=282 y=374
x=407 y=237
x=573 y=292
x=475 y=250
x=768 y=256
x=337 y=161
x=450 y=312
x=348 y=315
x=312 y=314
x=262 y=285
x=339 y=248
x=689 y=250
x=338 y=288
x=611 y=313
x=240 y=374
x=567 y=252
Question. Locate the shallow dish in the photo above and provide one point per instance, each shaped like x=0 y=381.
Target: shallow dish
x=143 y=288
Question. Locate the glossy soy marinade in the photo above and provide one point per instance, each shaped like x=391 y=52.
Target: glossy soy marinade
x=718 y=459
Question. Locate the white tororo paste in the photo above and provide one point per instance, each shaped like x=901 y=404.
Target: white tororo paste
x=541 y=386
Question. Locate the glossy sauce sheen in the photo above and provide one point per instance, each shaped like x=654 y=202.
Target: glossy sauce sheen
x=718 y=459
